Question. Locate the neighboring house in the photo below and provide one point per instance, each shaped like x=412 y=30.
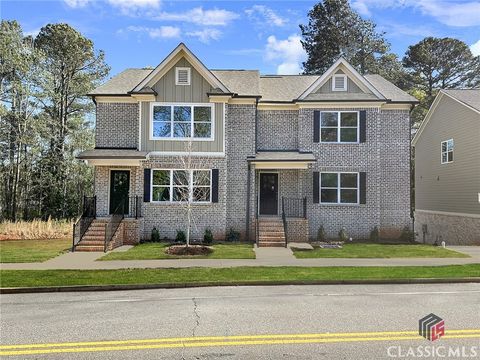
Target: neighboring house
x=447 y=170
x=331 y=150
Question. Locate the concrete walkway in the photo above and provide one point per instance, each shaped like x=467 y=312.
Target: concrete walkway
x=265 y=257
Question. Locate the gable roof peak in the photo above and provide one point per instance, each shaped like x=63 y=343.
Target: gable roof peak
x=182 y=49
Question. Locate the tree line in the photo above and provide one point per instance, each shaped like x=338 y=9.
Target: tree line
x=335 y=30
x=46 y=118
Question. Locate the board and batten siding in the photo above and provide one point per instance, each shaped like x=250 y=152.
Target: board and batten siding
x=452 y=187
x=168 y=92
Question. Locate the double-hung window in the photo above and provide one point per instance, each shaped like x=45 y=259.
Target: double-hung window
x=182 y=121
x=339 y=188
x=339 y=126
x=447 y=151
x=181 y=185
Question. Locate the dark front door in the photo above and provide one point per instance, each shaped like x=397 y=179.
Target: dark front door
x=119 y=186
x=268 y=194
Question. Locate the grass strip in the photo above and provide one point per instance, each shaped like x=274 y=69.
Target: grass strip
x=156 y=251
x=27 y=251
x=41 y=278
x=377 y=251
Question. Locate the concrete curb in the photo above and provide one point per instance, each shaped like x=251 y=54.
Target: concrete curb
x=82 y=288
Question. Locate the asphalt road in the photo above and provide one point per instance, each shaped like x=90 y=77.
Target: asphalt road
x=276 y=322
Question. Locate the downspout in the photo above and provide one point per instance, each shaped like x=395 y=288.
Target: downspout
x=247 y=222
x=410 y=174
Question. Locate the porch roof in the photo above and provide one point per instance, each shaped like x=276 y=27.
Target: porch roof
x=282 y=159
x=113 y=156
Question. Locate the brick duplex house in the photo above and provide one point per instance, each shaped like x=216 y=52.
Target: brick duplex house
x=280 y=155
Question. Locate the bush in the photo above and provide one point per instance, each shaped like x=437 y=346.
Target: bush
x=155 y=235
x=407 y=235
x=181 y=237
x=208 y=237
x=342 y=234
x=374 y=234
x=321 y=236
x=233 y=236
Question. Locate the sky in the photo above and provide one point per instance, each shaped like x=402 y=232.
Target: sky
x=261 y=35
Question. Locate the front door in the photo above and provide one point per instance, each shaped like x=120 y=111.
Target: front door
x=268 y=194
x=119 y=187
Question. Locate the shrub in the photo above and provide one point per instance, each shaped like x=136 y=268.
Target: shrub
x=374 y=234
x=208 y=236
x=342 y=234
x=407 y=235
x=181 y=237
x=155 y=235
x=321 y=236
x=233 y=235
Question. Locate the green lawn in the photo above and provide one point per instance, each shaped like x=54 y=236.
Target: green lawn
x=243 y=275
x=152 y=251
x=25 y=251
x=379 y=251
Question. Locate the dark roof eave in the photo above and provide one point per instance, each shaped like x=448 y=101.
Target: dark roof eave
x=282 y=160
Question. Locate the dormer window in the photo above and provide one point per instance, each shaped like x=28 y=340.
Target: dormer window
x=339 y=82
x=182 y=76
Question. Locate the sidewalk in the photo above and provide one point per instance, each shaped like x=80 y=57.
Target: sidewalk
x=265 y=257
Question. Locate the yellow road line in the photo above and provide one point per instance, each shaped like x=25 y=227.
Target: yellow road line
x=229 y=341
x=227 y=338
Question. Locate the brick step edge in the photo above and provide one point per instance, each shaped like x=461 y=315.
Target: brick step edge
x=80 y=288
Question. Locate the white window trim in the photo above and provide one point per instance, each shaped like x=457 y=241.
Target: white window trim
x=171 y=186
x=345 y=81
x=189 y=72
x=446 y=152
x=338 y=127
x=192 y=105
x=339 y=188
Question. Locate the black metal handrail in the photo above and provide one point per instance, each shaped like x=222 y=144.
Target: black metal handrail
x=89 y=213
x=284 y=219
x=294 y=207
x=113 y=223
x=134 y=207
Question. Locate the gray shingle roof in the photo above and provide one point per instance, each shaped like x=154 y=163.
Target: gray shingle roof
x=470 y=97
x=284 y=87
x=112 y=154
x=270 y=87
x=387 y=89
x=242 y=82
x=122 y=83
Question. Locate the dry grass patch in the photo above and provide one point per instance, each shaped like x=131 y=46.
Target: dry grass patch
x=36 y=229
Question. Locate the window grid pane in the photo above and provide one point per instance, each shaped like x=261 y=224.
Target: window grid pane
x=339 y=126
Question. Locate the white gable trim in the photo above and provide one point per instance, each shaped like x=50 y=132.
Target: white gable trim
x=356 y=77
x=427 y=117
x=167 y=63
x=432 y=109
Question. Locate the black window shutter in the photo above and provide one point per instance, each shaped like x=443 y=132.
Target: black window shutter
x=146 y=185
x=215 y=185
x=363 y=188
x=316 y=187
x=363 y=126
x=316 y=126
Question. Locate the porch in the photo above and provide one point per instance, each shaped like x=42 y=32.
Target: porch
x=281 y=181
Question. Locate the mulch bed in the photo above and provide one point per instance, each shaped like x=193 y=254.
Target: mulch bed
x=188 y=250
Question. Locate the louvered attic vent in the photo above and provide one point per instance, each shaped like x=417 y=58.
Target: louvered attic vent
x=182 y=76
x=339 y=83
